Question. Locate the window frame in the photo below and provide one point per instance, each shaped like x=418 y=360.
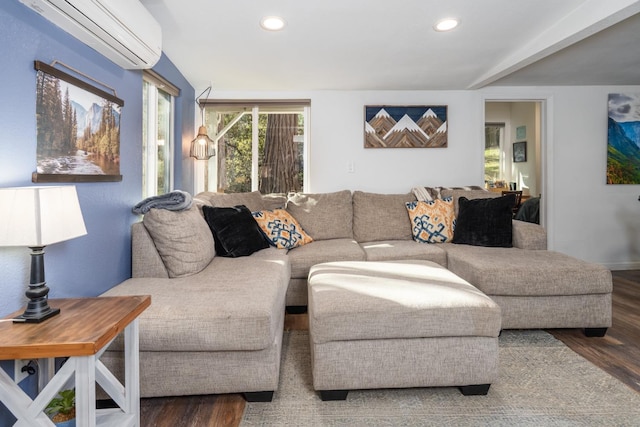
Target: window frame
x=255 y=108
x=152 y=84
x=501 y=130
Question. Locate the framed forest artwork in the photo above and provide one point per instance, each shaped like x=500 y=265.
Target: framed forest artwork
x=405 y=126
x=77 y=129
x=623 y=139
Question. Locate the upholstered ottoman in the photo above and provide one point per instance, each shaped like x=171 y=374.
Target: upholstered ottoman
x=399 y=324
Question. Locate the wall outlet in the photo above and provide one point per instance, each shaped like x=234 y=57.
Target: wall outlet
x=18 y=374
x=351 y=167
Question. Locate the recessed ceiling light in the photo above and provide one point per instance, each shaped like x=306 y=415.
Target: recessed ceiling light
x=272 y=23
x=446 y=24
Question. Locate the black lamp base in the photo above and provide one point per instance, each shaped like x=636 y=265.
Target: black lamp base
x=37 y=317
x=38 y=309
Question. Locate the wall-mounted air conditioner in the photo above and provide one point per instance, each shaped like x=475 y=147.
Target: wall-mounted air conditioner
x=122 y=30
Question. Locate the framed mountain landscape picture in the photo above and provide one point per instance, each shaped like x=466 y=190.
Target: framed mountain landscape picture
x=405 y=126
x=77 y=129
x=623 y=139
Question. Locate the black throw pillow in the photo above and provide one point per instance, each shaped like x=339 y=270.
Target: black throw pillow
x=485 y=222
x=235 y=232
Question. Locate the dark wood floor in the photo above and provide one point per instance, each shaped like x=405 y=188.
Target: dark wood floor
x=617 y=353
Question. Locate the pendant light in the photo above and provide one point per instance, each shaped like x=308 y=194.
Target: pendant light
x=202 y=147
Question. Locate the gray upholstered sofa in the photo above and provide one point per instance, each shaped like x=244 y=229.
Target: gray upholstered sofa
x=215 y=324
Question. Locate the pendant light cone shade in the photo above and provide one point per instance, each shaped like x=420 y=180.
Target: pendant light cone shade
x=36 y=217
x=202 y=147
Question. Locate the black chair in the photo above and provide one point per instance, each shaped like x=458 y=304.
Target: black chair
x=518 y=194
x=529 y=211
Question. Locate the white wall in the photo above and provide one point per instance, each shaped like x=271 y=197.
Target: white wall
x=593 y=220
x=585 y=217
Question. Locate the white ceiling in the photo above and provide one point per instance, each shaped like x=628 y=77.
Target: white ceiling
x=386 y=45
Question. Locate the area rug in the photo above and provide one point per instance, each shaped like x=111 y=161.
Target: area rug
x=541 y=383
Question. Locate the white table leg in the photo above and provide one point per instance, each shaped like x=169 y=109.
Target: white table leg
x=132 y=370
x=85 y=390
x=46 y=369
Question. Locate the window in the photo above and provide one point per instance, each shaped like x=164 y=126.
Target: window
x=493 y=153
x=157 y=134
x=261 y=145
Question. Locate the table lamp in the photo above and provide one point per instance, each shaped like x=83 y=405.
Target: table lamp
x=36 y=217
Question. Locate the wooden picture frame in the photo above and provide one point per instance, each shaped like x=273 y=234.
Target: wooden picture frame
x=411 y=126
x=520 y=152
x=77 y=129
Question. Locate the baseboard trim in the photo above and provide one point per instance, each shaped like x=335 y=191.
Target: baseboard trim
x=628 y=265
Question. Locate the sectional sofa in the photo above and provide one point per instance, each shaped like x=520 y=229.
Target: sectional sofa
x=215 y=323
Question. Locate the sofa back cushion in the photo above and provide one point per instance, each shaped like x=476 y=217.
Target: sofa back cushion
x=182 y=238
x=274 y=201
x=428 y=194
x=323 y=216
x=456 y=193
x=381 y=216
x=252 y=200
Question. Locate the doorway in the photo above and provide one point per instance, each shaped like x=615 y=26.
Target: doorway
x=513 y=148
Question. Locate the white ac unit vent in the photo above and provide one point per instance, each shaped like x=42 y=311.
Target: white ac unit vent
x=122 y=30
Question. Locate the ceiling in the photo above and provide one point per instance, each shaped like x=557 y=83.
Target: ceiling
x=384 y=45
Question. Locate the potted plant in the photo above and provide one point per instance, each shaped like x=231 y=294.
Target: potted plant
x=62 y=409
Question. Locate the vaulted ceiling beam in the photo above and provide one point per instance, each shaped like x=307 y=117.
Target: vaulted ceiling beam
x=591 y=17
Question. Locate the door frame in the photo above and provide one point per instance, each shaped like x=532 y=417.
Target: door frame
x=547 y=215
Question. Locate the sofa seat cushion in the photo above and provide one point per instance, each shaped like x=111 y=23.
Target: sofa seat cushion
x=233 y=304
x=396 y=299
x=521 y=272
x=318 y=251
x=389 y=250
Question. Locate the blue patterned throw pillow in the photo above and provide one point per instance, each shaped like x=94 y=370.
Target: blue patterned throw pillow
x=281 y=229
x=432 y=222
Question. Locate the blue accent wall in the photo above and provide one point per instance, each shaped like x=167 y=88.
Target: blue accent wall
x=88 y=265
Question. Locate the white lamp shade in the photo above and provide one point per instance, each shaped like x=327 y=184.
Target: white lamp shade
x=39 y=216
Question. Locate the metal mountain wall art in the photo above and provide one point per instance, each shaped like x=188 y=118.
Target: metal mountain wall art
x=405 y=126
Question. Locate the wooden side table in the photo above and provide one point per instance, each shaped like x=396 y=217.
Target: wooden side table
x=82 y=331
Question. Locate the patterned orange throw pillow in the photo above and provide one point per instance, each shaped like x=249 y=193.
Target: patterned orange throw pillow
x=281 y=229
x=432 y=222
